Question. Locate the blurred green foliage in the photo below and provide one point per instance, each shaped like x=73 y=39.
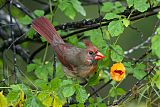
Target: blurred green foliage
x=56 y=91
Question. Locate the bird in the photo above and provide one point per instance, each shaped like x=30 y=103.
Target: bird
x=76 y=62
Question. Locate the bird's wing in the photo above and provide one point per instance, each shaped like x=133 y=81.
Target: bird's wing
x=68 y=55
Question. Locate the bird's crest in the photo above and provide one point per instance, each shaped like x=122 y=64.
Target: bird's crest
x=87 y=43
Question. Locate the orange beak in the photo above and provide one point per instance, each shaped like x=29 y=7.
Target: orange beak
x=99 y=56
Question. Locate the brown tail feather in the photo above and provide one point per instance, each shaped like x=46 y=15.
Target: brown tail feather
x=43 y=26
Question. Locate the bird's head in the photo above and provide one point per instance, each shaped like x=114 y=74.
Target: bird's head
x=92 y=52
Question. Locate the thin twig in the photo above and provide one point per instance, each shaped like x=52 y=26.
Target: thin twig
x=37 y=51
x=11 y=34
x=54 y=65
x=23 y=9
x=104 y=85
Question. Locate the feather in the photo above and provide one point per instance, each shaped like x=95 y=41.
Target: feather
x=43 y=26
x=76 y=62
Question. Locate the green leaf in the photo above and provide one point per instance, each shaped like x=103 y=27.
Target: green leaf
x=33 y=102
x=57 y=102
x=67 y=8
x=66 y=82
x=117 y=53
x=130 y=3
x=158 y=15
x=43 y=39
x=49 y=16
x=15 y=90
x=3 y=100
x=21 y=87
x=139 y=72
x=68 y=91
x=156 y=79
x=78 y=7
x=80 y=105
x=49 y=67
x=99 y=100
x=45 y=98
x=30 y=33
x=109 y=16
x=115 y=28
x=115 y=7
x=25 y=20
x=106 y=61
x=41 y=84
x=158 y=30
x=81 y=94
x=91 y=100
x=118 y=4
x=55 y=83
x=158 y=82
x=94 y=79
x=37 y=61
x=39 y=12
x=70 y=12
x=1 y=63
x=120 y=91
x=107 y=7
x=13 y=96
x=96 y=38
x=41 y=72
x=101 y=105
x=63 y=5
x=31 y=67
x=73 y=40
x=60 y=73
x=141 y=5
x=118 y=8
x=155 y=45
x=114 y=92
x=126 y=22
x=106 y=35
x=157 y=63
x=128 y=66
x=15 y=11
x=15 y=87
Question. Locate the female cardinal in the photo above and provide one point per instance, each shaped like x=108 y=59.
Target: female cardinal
x=76 y=62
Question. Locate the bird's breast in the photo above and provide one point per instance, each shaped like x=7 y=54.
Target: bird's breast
x=80 y=71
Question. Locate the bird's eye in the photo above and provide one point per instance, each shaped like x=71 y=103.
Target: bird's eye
x=91 y=52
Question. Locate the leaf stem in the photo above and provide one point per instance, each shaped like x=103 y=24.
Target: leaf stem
x=45 y=53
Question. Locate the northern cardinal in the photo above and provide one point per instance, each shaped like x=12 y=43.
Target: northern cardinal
x=76 y=62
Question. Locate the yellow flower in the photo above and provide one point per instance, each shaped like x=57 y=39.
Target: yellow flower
x=117 y=71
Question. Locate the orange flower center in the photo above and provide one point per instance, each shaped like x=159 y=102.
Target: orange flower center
x=120 y=72
x=117 y=71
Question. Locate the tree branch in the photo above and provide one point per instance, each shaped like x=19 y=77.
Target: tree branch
x=94 y=23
